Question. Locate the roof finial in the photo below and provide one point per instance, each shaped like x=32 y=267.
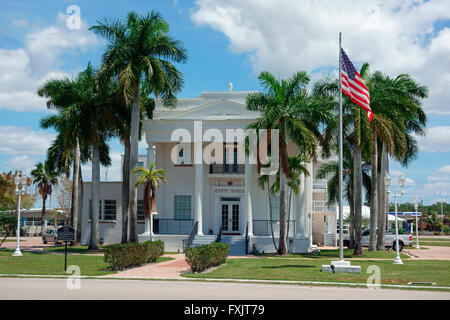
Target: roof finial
x=230 y=86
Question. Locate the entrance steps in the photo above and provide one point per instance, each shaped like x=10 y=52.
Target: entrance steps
x=236 y=243
x=205 y=239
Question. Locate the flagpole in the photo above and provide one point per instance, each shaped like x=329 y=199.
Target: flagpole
x=341 y=218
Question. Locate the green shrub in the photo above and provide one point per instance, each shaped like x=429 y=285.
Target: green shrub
x=206 y=256
x=121 y=256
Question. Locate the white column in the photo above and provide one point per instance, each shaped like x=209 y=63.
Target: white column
x=299 y=207
x=149 y=155
x=309 y=197
x=248 y=183
x=198 y=184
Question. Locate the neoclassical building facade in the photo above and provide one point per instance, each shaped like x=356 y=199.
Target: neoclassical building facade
x=202 y=200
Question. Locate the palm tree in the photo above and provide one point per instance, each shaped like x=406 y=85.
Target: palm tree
x=397 y=102
x=287 y=106
x=71 y=148
x=150 y=178
x=434 y=221
x=140 y=50
x=297 y=168
x=330 y=171
x=45 y=179
x=358 y=134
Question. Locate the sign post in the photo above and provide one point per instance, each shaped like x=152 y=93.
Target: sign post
x=66 y=234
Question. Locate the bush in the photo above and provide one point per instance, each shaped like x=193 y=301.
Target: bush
x=206 y=256
x=121 y=256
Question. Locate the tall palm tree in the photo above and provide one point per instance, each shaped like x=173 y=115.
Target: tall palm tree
x=140 y=50
x=151 y=179
x=45 y=179
x=287 y=106
x=397 y=101
x=358 y=134
x=71 y=148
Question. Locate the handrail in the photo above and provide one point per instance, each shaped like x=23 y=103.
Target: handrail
x=246 y=240
x=188 y=242
x=219 y=236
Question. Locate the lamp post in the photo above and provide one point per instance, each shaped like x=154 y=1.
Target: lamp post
x=401 y=182
x=417 y=225
x=20 y=182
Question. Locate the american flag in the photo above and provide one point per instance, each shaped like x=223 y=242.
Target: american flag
x=353 y=85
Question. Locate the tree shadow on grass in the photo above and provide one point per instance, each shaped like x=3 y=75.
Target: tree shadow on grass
x=288 y=266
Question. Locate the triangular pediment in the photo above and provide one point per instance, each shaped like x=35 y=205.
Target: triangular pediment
x=218 y=110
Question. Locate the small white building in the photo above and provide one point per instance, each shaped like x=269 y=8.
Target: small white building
x=207 y=199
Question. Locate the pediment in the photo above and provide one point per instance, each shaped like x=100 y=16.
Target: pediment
x=218 y=110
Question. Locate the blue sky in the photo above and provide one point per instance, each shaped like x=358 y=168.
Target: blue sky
x=233 y=41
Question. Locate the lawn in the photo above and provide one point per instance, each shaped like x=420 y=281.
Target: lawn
x=348 y=253
x=78 y=249
x=438 y=242
x=53 y=264
x=310 y=270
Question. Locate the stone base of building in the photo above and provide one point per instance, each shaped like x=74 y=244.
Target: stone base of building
x=264 y=244
x=172 y=242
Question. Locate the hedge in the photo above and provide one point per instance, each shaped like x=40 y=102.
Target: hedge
x=206 y=256
x=122 y=256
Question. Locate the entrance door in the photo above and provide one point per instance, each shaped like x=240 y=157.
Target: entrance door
x=230 y=217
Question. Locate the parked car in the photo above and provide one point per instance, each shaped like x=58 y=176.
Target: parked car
x=50 y=235
x=403 y=240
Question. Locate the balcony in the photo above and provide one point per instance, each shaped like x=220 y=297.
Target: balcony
x=172 y=226
x=262 y=228
x=322 y=206
x=227 y=169
x=320 y=184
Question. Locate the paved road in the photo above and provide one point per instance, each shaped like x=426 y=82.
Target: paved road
x=50 y=289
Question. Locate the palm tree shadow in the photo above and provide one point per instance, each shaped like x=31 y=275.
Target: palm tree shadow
x=288 y=266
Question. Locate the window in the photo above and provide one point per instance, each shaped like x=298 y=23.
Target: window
x=183 y=154
x=110 y=210
x=275 y=205
x=140 y=210
x=182 y=207
x=140 y=164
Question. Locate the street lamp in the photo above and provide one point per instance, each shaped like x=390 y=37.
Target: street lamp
x=417 y=225
x=20 y=183
x=401 y=182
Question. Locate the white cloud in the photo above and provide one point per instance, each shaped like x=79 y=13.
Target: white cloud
x=435 y=139
x=20 y=141
x=25 y=69
x=283 y=36
x=23 y=163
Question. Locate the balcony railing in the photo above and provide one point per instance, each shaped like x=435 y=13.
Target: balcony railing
x=172 y=226
x=319 y=183
x=226 y=168
x=322 y=206
x=262 y=228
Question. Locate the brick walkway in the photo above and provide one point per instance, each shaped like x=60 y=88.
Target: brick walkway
x=164 y=270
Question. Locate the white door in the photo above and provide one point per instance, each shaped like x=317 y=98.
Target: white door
x=230 y=212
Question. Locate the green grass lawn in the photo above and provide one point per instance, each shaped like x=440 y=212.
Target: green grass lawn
x=433 y=242
x=310 y=270
x=78 y=249
x=53 y=264
x=348 y=253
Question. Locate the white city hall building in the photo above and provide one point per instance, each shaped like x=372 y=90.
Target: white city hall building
x=203 y=203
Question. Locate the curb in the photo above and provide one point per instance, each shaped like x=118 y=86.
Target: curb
x=315 y=283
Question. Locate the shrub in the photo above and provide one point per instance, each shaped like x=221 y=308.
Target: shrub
x=206 y=256
x=121 y=256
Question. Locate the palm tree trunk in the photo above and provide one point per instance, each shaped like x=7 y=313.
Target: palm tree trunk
x=95 y=196
x=44 y=199
x=134 y=141
x=381 y=231
x=80 y=202
x=125 y=191
x=374 y=196
x=351 y=229
x=271 y=217
x=357 y=184
x=282 y=241
x=75 y=191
